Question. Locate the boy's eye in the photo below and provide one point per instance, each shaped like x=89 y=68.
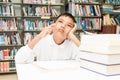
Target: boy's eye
x=60 y=21
x=69 y=26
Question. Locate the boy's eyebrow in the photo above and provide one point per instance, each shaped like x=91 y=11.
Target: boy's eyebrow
x=67 y=23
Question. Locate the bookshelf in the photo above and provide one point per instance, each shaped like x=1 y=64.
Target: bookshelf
x=38 y=14
x=24 y=19
x=10 y=34
x=87 y=14
x=111 y=17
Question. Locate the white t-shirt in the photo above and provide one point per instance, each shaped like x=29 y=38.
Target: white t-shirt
x=47 y=49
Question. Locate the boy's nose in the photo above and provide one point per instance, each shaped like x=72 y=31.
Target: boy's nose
x=63 y=25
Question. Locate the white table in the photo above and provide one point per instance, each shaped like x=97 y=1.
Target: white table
x=58 y=70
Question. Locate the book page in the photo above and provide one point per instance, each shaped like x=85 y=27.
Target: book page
x=57 y=65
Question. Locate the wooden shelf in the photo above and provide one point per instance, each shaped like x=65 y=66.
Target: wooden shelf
x=11 y=72
x=57 y=4
x=89 y=16
x=11 y=45
x=25 y=31
x=87 y=3
x=10 y=3
x=6 y=60
x=9 y=31
x=10 y=16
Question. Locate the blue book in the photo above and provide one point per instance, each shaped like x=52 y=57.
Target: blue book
x=111 y=1
x=84 y=24
x=79 y=23
x=31 y=11
x=118 y=18
x=0 y=10
x=2 y=39
x=91 y=10
x=83 y=9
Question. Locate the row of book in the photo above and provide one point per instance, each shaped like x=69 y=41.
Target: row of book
x=40 y=1
x=40 y=11
x=36 y=24
x=110 y=9
x=7 y=66
x=117 y=2
x=10 y=39
x=87 y=23
x=83 y=1
x=114 y=20
x=107 y=7
x=8 y=54
x=8 y=24
x=84 y=10
x=6 y=10
x=100 y=53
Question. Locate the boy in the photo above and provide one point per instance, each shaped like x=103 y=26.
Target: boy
x=62 y=44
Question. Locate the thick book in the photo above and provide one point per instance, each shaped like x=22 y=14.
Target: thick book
x=107 y=70
x=101 y=43
x=107 y=59
x=109 y=29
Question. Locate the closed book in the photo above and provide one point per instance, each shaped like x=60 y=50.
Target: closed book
x=109 y=29
x=107 y=70
x=109 y=59
x=101 y=49
x=107 y=16
x=101 y=43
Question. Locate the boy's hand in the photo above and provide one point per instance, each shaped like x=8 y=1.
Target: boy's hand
x=71 y=33
x=46 y=31
x=43 y=33
x=72 y=37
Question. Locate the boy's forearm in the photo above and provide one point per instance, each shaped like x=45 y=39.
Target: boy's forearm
x=75 y=40
x=34 y=41
x=43 y=33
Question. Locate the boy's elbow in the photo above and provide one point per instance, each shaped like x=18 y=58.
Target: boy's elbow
x=17 y=59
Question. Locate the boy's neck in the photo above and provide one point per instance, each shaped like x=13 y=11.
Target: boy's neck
x=58 y=40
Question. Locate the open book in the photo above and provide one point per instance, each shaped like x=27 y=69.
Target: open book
x=57 y=65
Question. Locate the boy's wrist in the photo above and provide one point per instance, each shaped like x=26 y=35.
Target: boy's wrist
x=72 y=36
x=75 y=39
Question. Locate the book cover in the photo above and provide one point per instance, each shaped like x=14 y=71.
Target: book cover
x=108 y=59
x=101 y=43
x=109 y=29
x=107 y=70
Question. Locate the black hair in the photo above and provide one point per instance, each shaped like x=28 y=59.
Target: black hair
x=68 y=15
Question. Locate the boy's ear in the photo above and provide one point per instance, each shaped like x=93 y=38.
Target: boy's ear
x=75 y=25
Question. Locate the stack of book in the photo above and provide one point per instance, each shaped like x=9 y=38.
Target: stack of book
x=101 y=53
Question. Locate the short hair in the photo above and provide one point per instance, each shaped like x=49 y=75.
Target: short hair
x=67 y=15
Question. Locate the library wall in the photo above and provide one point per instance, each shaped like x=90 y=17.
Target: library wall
x=20 y=21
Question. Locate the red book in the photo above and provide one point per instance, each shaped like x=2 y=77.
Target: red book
x=6 y=54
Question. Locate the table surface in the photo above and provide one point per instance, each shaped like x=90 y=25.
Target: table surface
x=58 y=70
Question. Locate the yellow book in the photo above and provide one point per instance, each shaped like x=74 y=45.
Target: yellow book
x=108 y=20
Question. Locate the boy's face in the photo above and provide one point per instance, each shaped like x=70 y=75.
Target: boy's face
x=63 y=26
